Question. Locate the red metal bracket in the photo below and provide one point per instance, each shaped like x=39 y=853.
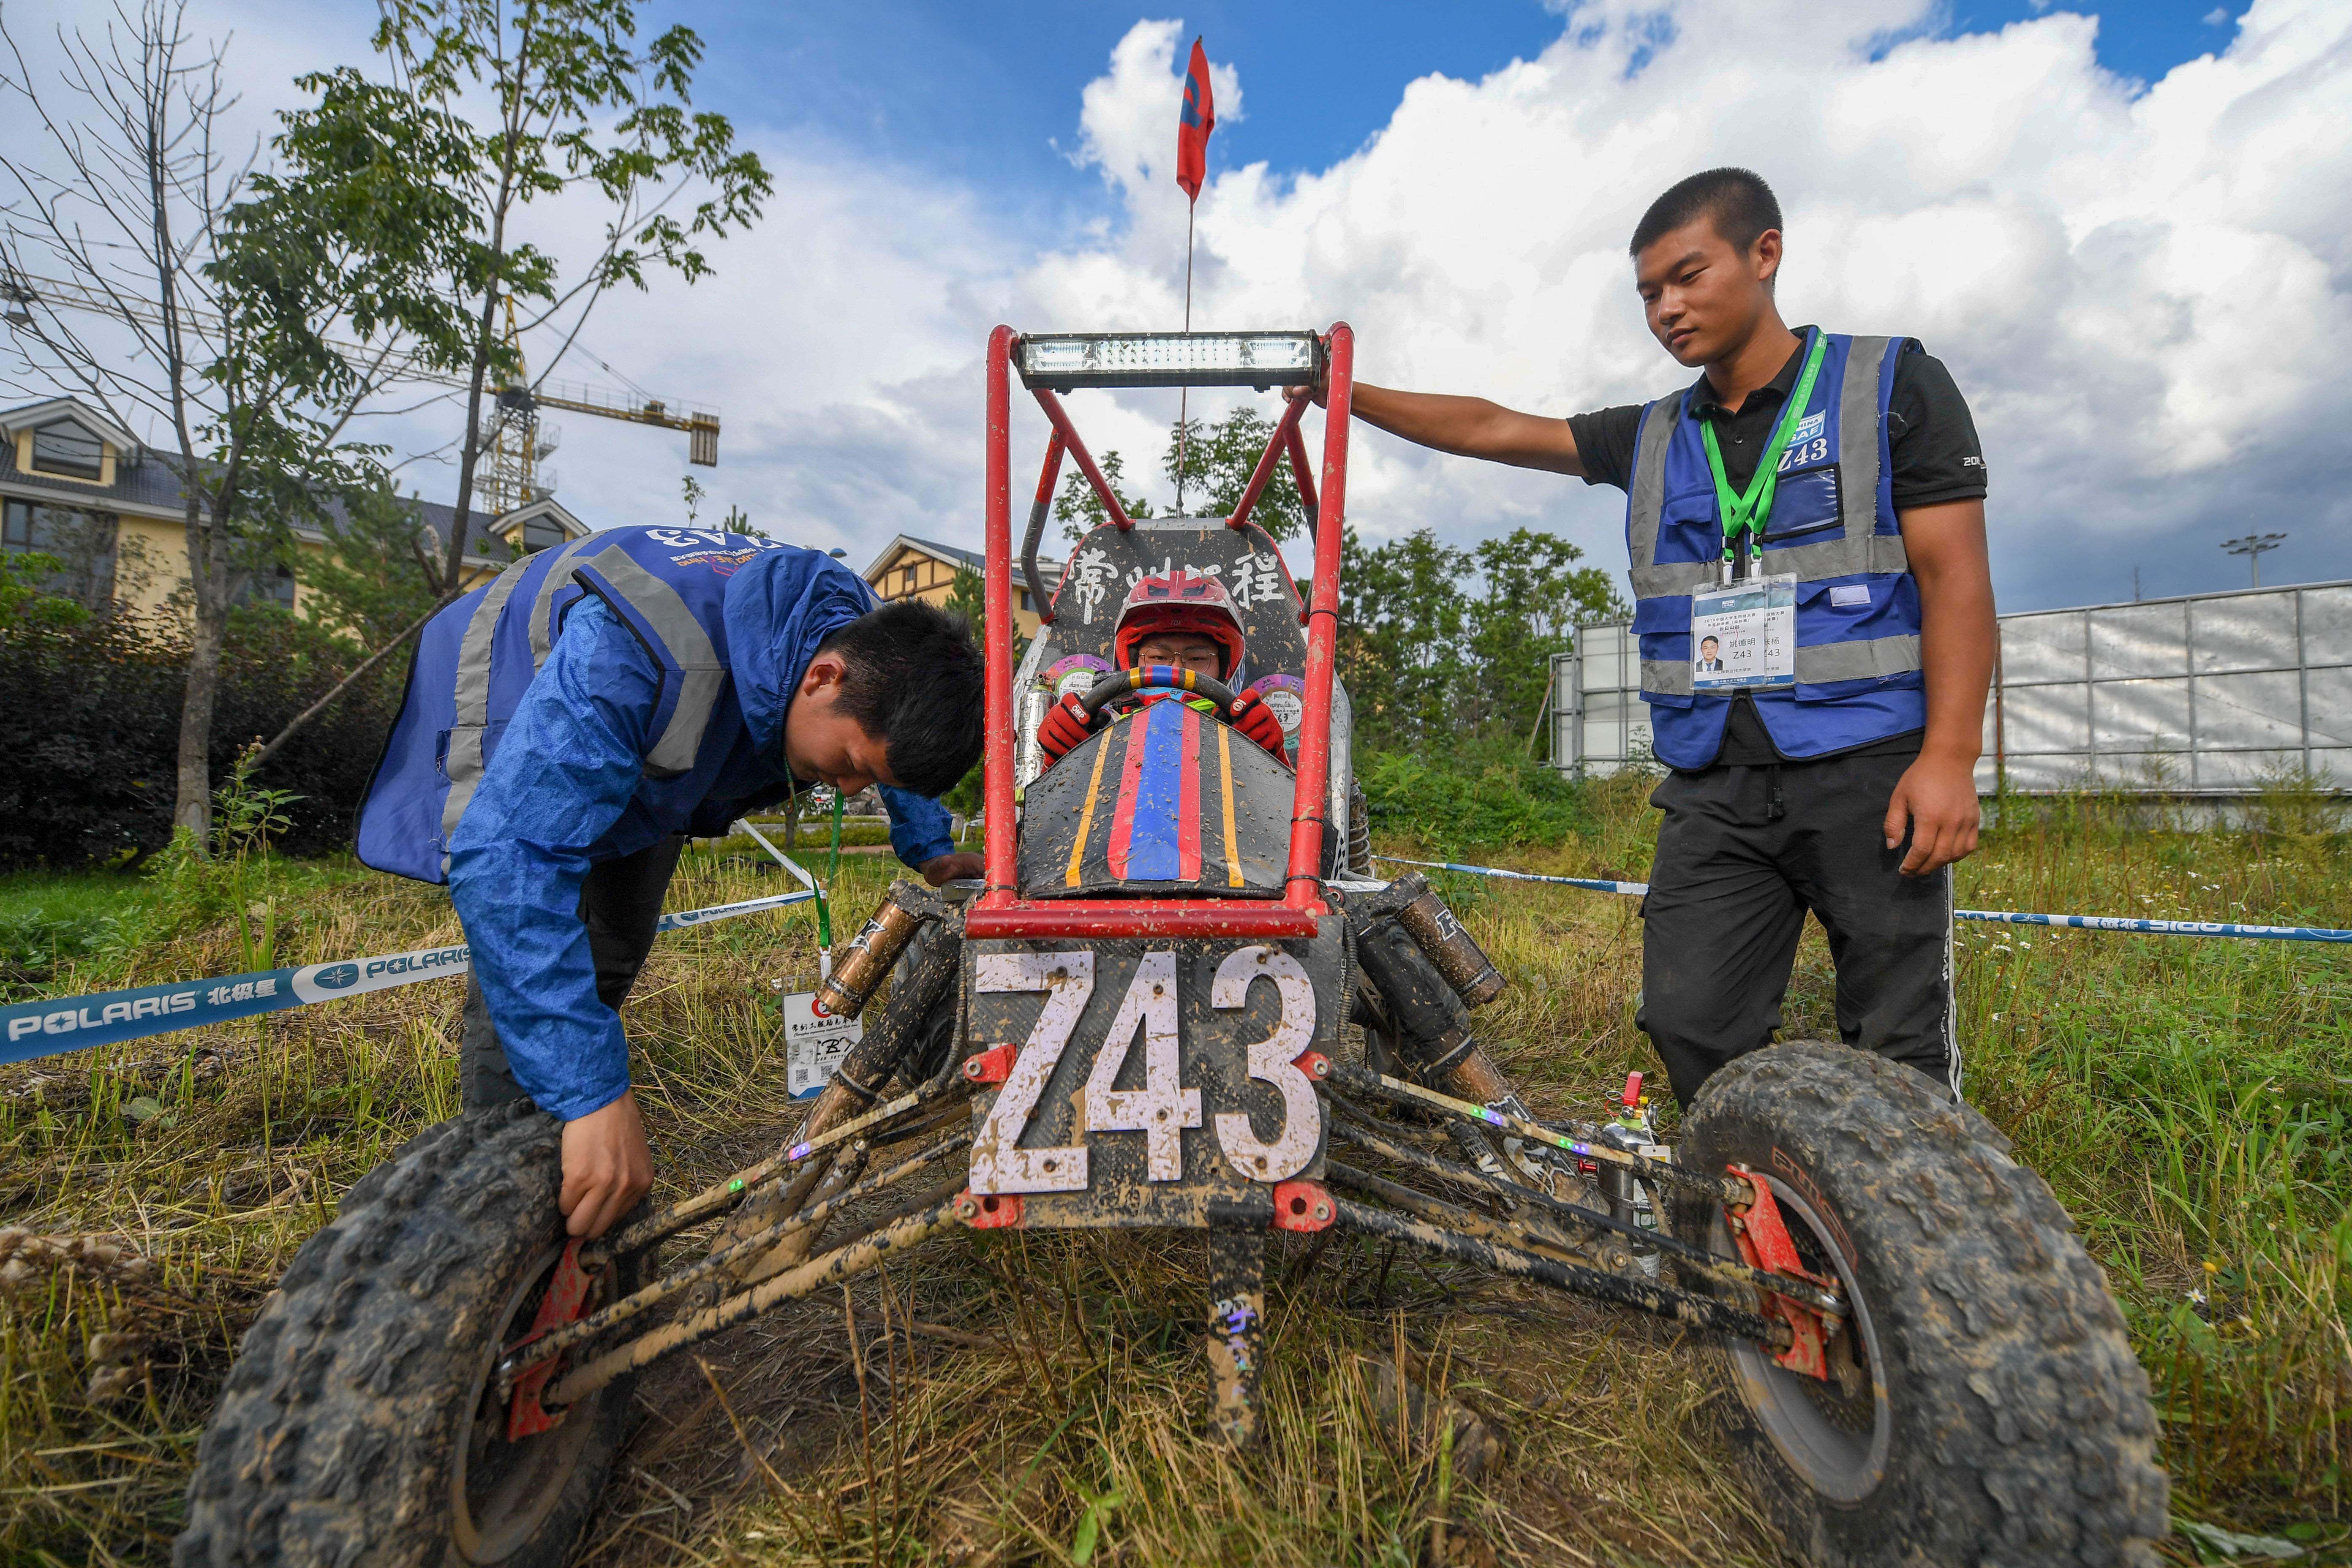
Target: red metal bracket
x=1000 y=915
x=1314 y=1064
x=1764 y=1243
x=1302 y=1206
x=566 y=1301
x=991 y=1066
x=989 y=1211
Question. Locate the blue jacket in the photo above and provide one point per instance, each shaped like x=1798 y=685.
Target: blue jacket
x=589 y=702
x=1832 y=525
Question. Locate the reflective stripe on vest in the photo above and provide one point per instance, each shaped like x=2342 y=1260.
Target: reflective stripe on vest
x=1857 y=550
x=693 y=673
x=1832 y=527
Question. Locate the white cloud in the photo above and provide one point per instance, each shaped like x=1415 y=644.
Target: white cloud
x=2145 y=298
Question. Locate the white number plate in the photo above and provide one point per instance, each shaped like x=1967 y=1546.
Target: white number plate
x=1226 y=1069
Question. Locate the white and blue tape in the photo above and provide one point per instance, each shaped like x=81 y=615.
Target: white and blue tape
x=31 y=1029
x=2007 y=916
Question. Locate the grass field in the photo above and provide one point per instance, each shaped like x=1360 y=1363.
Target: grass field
x=2186 y=1098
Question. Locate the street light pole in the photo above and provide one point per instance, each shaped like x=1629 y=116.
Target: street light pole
x=2251 y=547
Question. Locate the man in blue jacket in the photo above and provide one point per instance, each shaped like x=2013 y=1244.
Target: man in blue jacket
x=568 y=723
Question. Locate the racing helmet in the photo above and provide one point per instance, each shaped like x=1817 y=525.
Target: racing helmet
x=1180 y=601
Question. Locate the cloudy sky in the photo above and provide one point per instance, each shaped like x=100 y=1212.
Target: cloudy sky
x=2129 y=233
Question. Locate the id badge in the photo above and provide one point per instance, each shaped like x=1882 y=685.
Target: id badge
x=1744 y=635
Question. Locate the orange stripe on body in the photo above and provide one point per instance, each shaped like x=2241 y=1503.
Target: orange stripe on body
x=1087 y=818
x=1225 y=792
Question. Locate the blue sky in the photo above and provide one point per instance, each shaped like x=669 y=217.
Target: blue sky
x=989 y=92
x=2127 y=229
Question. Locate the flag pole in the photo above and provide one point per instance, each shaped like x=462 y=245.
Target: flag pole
x=1183 y=397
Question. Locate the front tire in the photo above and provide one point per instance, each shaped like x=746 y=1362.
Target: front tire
x=360 y=1425
x=2000 y=1416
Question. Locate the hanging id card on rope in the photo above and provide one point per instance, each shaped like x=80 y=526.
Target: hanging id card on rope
x=1744 y=630
x=1744 y=635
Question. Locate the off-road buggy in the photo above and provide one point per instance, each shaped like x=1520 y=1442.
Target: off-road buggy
x=1180 y=998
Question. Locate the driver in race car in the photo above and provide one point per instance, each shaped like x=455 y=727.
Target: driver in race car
x=1185 y=621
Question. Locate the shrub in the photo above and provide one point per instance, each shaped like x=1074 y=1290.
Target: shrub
x=1482 y=797
x=93 y=772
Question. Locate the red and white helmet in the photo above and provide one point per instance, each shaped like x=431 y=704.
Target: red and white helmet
x=1180 y=601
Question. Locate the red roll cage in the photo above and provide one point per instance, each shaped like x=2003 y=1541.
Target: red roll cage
x=1000 y=911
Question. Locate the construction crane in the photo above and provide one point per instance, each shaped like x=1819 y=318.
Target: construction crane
x=510 y=475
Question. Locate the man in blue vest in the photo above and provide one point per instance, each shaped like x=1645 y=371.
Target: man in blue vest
x=1815 y=613
x=569 y=722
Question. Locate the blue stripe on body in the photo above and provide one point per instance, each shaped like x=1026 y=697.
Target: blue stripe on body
x=1152 y=848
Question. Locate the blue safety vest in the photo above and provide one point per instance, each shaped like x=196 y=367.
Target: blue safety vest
x=1832 y=525
x=476 y=659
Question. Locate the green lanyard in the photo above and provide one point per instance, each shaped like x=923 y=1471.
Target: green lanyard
x=832 y=871
x=1753 y=512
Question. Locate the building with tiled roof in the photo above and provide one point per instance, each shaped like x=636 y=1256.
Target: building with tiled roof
x=78 y=486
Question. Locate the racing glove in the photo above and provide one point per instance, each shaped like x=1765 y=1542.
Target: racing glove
x=1254 y=720
x=1064 y=725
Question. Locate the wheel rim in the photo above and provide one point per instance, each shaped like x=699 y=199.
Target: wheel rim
x=501 y=1492
x=1837 y=1447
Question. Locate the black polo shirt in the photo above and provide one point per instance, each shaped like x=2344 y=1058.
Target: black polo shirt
x=1934 y=457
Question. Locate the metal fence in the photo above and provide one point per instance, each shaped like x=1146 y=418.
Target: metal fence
x=2208 y=694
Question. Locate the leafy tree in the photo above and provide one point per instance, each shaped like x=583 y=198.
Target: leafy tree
x=579 y=107
x=968 y=598
x=1080 y=511
x=223 y=301
x=1440 y=646
x=1533 y=597
x=380 y=571
x=1218 y=459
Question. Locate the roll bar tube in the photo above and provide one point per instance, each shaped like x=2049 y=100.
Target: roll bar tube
x=1000 y=911
x=1086 y=459
x=1283 y=432
x=1037 y=509
x=1302 y=882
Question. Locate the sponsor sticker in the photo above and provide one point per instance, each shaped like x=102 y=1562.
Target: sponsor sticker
x=814 y=1045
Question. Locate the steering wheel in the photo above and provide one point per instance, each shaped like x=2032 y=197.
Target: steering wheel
x=1156 y=678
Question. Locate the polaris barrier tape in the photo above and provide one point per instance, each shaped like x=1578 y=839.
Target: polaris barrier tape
x=31 y=1029
x=2123 y=923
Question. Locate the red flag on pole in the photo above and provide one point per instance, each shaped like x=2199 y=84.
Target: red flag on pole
x=1193 y=123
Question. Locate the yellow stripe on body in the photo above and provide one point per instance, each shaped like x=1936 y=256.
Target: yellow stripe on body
x=1087 y=818
x=1225 y=792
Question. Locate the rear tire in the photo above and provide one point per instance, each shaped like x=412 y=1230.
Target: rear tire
x=2003 y=1418
x=357 y=1426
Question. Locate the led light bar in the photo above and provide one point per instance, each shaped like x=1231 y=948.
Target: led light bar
x=1063 y=362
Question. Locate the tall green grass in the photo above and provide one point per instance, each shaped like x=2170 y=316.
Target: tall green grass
x=2186 y=1098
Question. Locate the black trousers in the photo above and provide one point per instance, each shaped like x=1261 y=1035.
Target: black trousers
x=1743 y=853
x=620 y=903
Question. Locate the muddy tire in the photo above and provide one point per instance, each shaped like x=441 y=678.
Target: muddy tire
x=356 y=1428
x=2002 y=1417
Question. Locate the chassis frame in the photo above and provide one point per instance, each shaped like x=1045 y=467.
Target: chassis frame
x=1491 y=1200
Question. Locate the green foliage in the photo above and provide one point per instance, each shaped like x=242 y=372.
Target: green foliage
x=1440 y=645
x=1217 y=461
x=198 y=883
x=968 y=598
x=22 y=596
x=377 y=575
x=1454 y=800
x=1079 y=510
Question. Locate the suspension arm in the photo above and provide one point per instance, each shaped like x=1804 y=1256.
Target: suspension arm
x=826 y=1268
x=1727 y=1272
x=1726 y=1189
x=636 y=1305
x=1657 y=1301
